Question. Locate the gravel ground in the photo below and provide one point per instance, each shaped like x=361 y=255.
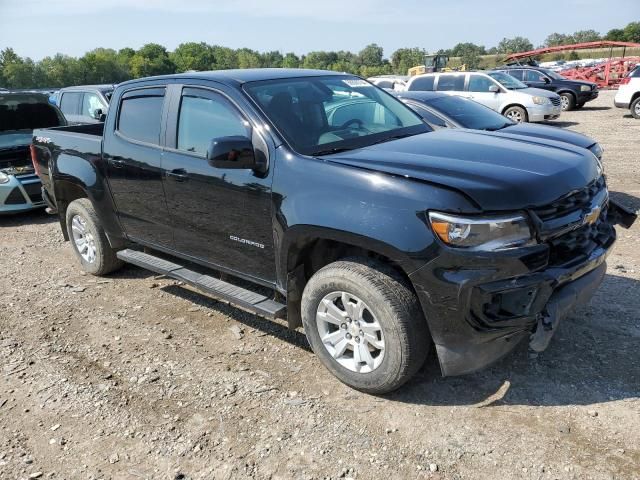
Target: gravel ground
x=136 y=376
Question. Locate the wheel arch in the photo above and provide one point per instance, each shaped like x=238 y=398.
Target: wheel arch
x=309 y=249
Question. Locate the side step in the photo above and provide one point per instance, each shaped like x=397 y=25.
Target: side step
x=221 y=290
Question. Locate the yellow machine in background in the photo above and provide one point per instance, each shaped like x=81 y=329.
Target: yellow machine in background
x=435 y=63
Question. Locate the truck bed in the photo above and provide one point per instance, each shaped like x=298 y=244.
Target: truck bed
x=55 y=147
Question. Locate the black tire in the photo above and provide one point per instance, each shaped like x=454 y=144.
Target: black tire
x=634 y=108
x=517 y=114
x=568 y=101
x=391 y=302
x=105 y=260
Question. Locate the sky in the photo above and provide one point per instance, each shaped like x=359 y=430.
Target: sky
x=39 y=28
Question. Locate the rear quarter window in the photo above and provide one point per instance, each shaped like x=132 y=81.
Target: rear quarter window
x=422 y=84
x=453 y=83
x=139 y=117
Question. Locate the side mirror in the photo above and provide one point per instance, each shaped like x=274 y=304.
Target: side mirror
x=546 y=80
x=98 y=115
x=494 y=88
x=231 y=152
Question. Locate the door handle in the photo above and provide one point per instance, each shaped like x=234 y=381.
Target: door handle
x=178 y=174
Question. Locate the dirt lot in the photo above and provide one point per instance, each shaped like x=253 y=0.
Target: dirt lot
x=135 y=376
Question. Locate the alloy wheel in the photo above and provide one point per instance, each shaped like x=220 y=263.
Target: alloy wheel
x=350 y=332
x=83 y=239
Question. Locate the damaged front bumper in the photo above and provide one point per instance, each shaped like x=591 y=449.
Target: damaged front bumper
x=480 y=305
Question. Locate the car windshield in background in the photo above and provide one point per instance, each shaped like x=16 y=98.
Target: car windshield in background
x=552 y=74
x=507 y=80
x=469 y=114
x=323 y=115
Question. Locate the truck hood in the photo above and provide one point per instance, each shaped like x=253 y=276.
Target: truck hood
x=549 y=133
x=497 y=173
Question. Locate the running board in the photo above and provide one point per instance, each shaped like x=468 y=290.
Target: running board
x=221 y=290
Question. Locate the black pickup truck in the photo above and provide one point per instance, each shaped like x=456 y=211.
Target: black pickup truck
x=378 y=235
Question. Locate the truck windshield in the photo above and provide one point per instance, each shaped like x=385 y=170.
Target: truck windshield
x=469 y=114
x=507 y=80
x=323 y=115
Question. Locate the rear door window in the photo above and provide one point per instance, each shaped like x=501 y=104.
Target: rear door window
x=516 y=73
x=140 y=115
x=454 y=83
x=533 y=76
x=422 y=84
x=70 y=102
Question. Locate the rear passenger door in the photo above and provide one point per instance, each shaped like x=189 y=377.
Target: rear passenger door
x=132 y=154
x=70 y=106
x=219 y=216
x=451 y=83
x=478 y=90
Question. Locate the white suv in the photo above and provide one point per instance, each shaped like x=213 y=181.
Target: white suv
x=628 y=94
x=496 y=90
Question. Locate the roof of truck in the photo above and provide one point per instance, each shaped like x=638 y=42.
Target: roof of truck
x=244 y=75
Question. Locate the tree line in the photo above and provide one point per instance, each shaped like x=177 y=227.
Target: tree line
x=106 y=65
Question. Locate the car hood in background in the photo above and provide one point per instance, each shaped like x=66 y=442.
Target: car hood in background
x=550 y=133
x=498 y=173
x=539 y=92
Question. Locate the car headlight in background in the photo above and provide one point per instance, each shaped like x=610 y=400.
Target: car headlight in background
x=597 y=150
x=585 y=88
x=4 y=178
x=541 y=100
x=484 y=233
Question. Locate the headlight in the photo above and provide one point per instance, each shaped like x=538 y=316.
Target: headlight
x=585 y=88
x=487 y=233
x=4 y=178
x=540 y=100
x=597 y=150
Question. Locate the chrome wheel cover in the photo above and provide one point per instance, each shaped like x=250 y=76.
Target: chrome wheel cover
x=83 y=239
x=564 y=101
x=514 y=115
x=636 y=108
x=350 y=332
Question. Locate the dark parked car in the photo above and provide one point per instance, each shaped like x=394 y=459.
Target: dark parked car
x=20 y=113
x=84 y=103
x=446 y=111
x=573 y=93
x=376 y=233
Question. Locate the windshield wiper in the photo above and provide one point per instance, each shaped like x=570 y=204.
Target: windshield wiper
x=394 y=137
x=330 y=151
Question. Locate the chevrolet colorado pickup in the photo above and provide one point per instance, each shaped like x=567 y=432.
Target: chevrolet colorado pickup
x=376 y=234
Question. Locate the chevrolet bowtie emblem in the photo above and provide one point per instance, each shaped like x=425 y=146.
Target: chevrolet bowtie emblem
x=592 y=216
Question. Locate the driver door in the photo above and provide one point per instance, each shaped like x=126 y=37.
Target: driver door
x=220 y=216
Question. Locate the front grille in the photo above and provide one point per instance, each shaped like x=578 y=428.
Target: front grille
x=576 y=245
x=581 y=240
x=578 y=200
x=555 y=101
x=15 y=197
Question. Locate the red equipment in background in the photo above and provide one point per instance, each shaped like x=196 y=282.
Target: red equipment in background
x=606 y=74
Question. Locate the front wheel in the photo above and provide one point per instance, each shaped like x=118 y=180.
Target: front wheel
x=365 y=325
x=568 y=101
x=635 y=108
x=516 y=114
x=88 y=239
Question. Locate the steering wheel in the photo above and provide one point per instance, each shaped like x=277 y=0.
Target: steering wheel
x=359 y=122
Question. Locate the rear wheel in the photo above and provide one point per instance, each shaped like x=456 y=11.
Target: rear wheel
x=568 y=101
x=88 y=239
x=365 y=325
x=635 y=108
x=516 y=114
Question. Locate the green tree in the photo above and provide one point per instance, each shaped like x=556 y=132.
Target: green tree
x=62 y=71
x=615 y=34
x=582 y=36
x=193 y=56
x=290 y=60
x=514 y=45
x=556 y=39
x=405 y=58
x=102 y=65
x=272 y=59
x=469 y=53
x=371 y=55
x=151 y=59
x=225 y=58
x=248 y=58
x=320 y=60
x=632 y=32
